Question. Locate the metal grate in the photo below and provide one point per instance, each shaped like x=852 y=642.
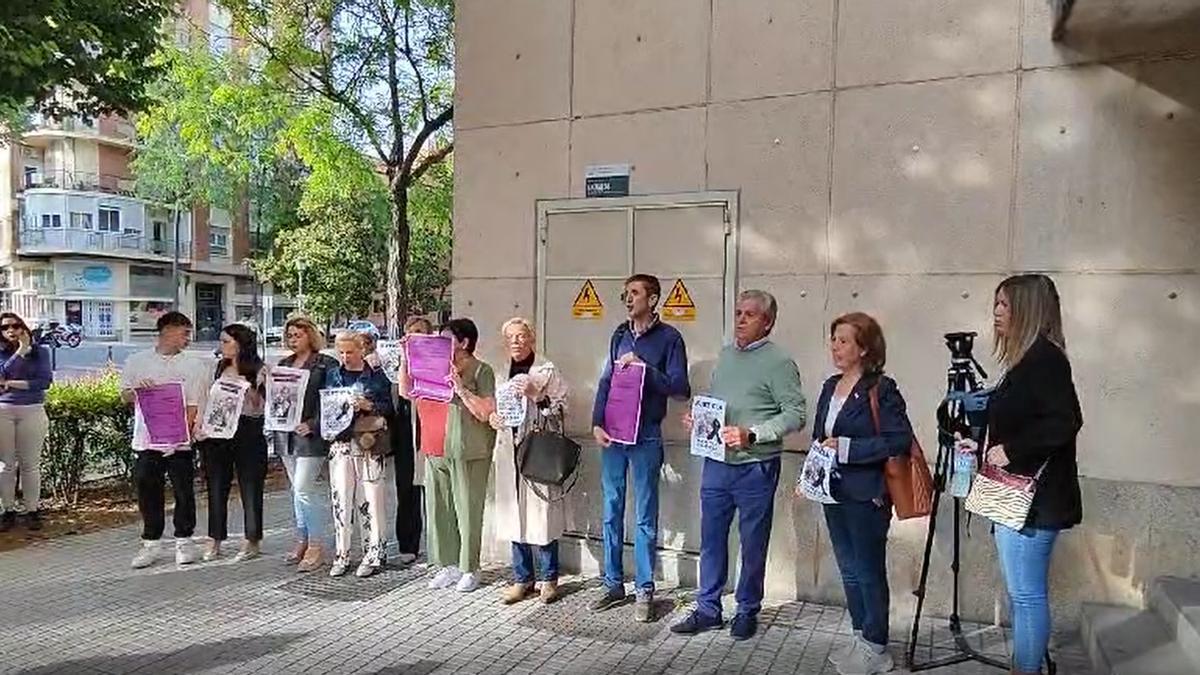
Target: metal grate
x=570 y=617
x=350 y=588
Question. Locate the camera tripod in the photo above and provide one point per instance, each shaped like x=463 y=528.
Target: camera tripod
x=962 y=412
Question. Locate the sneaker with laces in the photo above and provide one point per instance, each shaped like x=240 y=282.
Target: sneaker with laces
x=365 y=569
x=842 y=653
x=468 y=583
x=743 y=626
x=185 y=552
x=146 y=555
x=339 y=566
x=446 y=578
x=696 y=623
x=864 y=660
x=643 y=607
x=611 y=598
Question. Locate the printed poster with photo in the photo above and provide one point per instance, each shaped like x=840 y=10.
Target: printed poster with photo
x=817 y=474
x=708 y=418
x=510 y=402
x=389 y=352
x=285 y=398
x=337 y=411
x=224 y=407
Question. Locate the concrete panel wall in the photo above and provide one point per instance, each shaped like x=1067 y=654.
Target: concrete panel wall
x=899 y=159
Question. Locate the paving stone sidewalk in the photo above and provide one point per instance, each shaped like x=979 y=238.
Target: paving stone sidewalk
x=74 y=606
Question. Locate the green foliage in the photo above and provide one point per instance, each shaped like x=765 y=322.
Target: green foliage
x=98 y=49
x=90 y=428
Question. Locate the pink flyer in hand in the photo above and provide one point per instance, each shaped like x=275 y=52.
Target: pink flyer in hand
x=428 y=358
x=623 y=411
x=164 y=412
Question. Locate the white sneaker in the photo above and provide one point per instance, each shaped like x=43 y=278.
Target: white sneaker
x=446 y=578
x=863 y=660
x=186 y=552
x=339 y=566
x=837 y=656
x=468 y=582
x=365 y=569
x=147 y=555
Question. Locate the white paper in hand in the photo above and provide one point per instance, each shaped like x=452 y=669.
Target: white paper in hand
x=224 y=407
x=817 y=473
x=708 y=418
x=337 y=411
x=510 y=404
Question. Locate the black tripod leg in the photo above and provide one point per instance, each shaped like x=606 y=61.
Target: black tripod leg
x=910 y=655
x=1051 y=666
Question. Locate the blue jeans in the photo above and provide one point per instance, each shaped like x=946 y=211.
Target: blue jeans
x=748 y=489
x=547 y=562
x=858 y=532
x=1025 y=564
x=308 y=497
x=645 y=461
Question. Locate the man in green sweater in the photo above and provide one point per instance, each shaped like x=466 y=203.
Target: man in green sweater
x=760 y=386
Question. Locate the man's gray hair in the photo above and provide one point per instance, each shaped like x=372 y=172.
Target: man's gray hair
x=765 y=301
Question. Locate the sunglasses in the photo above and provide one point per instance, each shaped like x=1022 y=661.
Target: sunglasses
x=10 y=326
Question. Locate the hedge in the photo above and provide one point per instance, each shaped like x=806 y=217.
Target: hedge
x=90 y=428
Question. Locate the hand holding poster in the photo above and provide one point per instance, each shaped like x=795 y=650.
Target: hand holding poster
x=224 y=407
x=817 y=473
x=708 y=418
x=428 y=359
x=510 y=403
x=623 y=411
x=389 y=352
x=285 y=398
x=164 y=412
x=337 y=411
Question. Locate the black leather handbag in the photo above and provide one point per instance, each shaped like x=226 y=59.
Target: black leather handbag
x=546 y=458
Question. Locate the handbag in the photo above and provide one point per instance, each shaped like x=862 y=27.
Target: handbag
x=906 y=478
x=547 y=458
x=1002 y=497
x=371 y=435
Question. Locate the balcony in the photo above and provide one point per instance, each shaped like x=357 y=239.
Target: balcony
x=67 y=240
x=83 y=181
x=113 y=131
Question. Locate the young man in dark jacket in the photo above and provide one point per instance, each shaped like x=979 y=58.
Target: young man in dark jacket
x=645 y=340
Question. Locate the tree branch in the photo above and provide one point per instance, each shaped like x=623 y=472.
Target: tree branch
x=393 y=81
x=412 y=62
x=430 y=160
x=423 y=135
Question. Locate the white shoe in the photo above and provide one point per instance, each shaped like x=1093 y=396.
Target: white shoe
x=339 y=566
x=185 y=552
x=468 y=583
x=839 y=655
x=147 y=555
x=864 y=660
x=446 y=578
x=365 y=569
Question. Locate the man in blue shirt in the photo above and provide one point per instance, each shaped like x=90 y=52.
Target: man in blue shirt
x=646 y=340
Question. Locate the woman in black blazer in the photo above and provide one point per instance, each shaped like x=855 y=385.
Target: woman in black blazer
x=1033 y=419
x=858 y=523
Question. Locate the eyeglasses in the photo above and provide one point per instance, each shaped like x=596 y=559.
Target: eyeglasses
x=10 y=326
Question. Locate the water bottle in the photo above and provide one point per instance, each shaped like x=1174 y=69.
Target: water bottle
x=962 y=473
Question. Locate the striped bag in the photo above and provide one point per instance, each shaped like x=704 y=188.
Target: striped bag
x=1002 y=497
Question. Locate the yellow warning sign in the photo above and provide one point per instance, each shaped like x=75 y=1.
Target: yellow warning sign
x=587 y=304
x=679 y=305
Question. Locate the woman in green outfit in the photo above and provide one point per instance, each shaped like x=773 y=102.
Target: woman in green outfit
x=456 y=483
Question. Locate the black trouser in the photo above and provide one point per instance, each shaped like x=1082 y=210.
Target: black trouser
x=246 y=455
x=408 y=496
x=150 y=472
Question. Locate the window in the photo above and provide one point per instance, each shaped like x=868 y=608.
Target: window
x=39 y=280
x=110 y=220
x=32 y=177
x=52 y=220
x=150 y=282
x=81 y=221
x=218 y=241
x=244 y=286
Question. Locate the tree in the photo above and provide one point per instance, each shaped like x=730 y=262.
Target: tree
x=430 y=209
x=97 y=50
x=386 y=67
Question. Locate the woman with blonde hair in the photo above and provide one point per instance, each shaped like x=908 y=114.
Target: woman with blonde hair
x=523 y=516
x=303 y=451
x=1033 y=420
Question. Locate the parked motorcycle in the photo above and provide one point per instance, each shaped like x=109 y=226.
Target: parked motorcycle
x=57 y=335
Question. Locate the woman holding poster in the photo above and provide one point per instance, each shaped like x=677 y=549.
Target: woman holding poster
x=235 y=405
x=302 y=450
x=529 y=393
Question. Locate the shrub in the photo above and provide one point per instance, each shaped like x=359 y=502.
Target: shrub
x=90 y=430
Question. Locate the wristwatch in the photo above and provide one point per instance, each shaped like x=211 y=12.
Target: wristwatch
x=751 y=437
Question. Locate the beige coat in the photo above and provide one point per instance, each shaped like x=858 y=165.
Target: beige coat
x=521 y=515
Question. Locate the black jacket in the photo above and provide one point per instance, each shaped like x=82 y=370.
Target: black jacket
x=312 y=445
x=1034 y=413
x=860 y=477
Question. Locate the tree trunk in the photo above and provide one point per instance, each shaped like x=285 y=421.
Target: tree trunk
x=397 y=267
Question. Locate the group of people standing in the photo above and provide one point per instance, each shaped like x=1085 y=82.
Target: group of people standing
x=460 y=445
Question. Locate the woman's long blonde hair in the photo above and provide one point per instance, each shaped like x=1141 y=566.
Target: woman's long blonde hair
x=1034 y=311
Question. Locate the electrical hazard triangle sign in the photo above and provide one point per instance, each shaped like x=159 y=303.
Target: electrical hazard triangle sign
x=679 y=305
x=587 y=303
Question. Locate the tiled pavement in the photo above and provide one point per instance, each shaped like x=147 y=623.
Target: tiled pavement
x=74 y=606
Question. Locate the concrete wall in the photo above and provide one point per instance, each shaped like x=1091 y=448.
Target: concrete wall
x=901 y=159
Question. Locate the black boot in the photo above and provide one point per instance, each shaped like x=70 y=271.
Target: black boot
x=8 y=521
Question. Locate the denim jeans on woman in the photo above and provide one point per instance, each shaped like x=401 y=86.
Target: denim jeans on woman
x=1025 y=564
x=309 y=497
x=858 y=532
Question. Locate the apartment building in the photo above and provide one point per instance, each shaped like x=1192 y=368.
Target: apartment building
x=77 y=245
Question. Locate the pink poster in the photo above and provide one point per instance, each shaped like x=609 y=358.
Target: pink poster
x=164 y=412
x=623 y=410
x=428 y=358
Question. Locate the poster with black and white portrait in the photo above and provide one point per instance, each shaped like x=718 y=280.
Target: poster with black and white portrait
x=708 y=418
x=224 y=407
x=337 y=411
x=285 y=398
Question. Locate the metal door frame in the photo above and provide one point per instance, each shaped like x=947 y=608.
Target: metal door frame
x=729 y=199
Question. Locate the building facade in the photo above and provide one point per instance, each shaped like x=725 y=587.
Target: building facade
x=894 y=158
x=77 y=246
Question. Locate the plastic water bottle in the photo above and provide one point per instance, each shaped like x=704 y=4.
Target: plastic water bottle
x=962 y=474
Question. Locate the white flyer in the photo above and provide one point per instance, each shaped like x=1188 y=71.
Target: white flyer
x=510 y=403
x=285 y=398
x=708 y=418
x=817 y=474
x=224 y=407
x=337 y=411
x=389 y=352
